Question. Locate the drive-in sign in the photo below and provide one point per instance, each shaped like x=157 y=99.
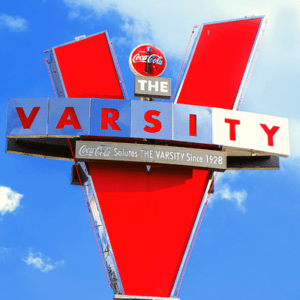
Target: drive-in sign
x=146 y=166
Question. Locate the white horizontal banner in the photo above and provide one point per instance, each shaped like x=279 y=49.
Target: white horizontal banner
x=250 y=131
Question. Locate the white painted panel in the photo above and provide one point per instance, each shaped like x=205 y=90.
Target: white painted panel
x=250 y=132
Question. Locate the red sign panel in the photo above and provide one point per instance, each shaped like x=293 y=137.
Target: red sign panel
x=218 y=63
x=147 y=60
x=149 y=217
x=87 y=69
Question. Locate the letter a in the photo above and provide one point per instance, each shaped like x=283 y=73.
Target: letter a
x=68 y=118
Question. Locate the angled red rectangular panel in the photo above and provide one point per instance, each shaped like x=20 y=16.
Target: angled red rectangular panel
x=149 y=217
x=87 y=69
x=219 y=63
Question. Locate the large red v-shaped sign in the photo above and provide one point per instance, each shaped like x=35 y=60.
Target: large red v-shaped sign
x=150 y=215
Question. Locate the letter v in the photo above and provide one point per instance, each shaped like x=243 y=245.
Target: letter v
x=27 y=121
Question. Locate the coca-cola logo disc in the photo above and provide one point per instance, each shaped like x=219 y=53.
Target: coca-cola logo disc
x=147 y=60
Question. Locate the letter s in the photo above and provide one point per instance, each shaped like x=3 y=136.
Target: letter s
x=149 y=119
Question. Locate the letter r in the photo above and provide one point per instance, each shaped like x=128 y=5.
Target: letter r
x=109 y=116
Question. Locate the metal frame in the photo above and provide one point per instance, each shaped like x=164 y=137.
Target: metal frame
x=187 y=63
x=55 y=65
x=249 y=63
x=57 y=77
x=116 y=65
x=191 y=238
x=74 y=40
x=102 y=235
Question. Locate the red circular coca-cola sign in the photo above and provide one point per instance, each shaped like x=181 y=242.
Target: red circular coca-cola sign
x=147 y=60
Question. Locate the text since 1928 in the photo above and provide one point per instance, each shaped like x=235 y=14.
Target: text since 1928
x=150 y=154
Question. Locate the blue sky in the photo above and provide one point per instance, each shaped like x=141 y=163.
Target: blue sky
x=249 y=242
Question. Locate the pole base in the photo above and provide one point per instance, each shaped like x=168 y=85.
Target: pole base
x=126 y=297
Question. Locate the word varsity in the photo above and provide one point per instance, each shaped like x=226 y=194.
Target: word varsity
x=67 y=117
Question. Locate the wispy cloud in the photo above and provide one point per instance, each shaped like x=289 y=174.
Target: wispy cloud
x=170 y=24
x=224 y=191
x=3 y=251
x=9 y=200
x=139 y=31
x=13 y=23
x=41 y=262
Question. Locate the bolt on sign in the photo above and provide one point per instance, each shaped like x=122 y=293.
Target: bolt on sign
x=146 y=165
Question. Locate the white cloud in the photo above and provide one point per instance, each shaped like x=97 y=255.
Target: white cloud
x=223 y=191
x=9 y=200
x=168 y=24
x=139 y=31
x=13 y=23
x=3 y=252
x=41 y=262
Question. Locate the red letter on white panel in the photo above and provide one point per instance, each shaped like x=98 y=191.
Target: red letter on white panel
x=270 y=132
x=232 y=124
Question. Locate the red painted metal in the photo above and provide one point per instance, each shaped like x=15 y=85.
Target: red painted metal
x=88 y=70
x=218 y=64
x=149 y=217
